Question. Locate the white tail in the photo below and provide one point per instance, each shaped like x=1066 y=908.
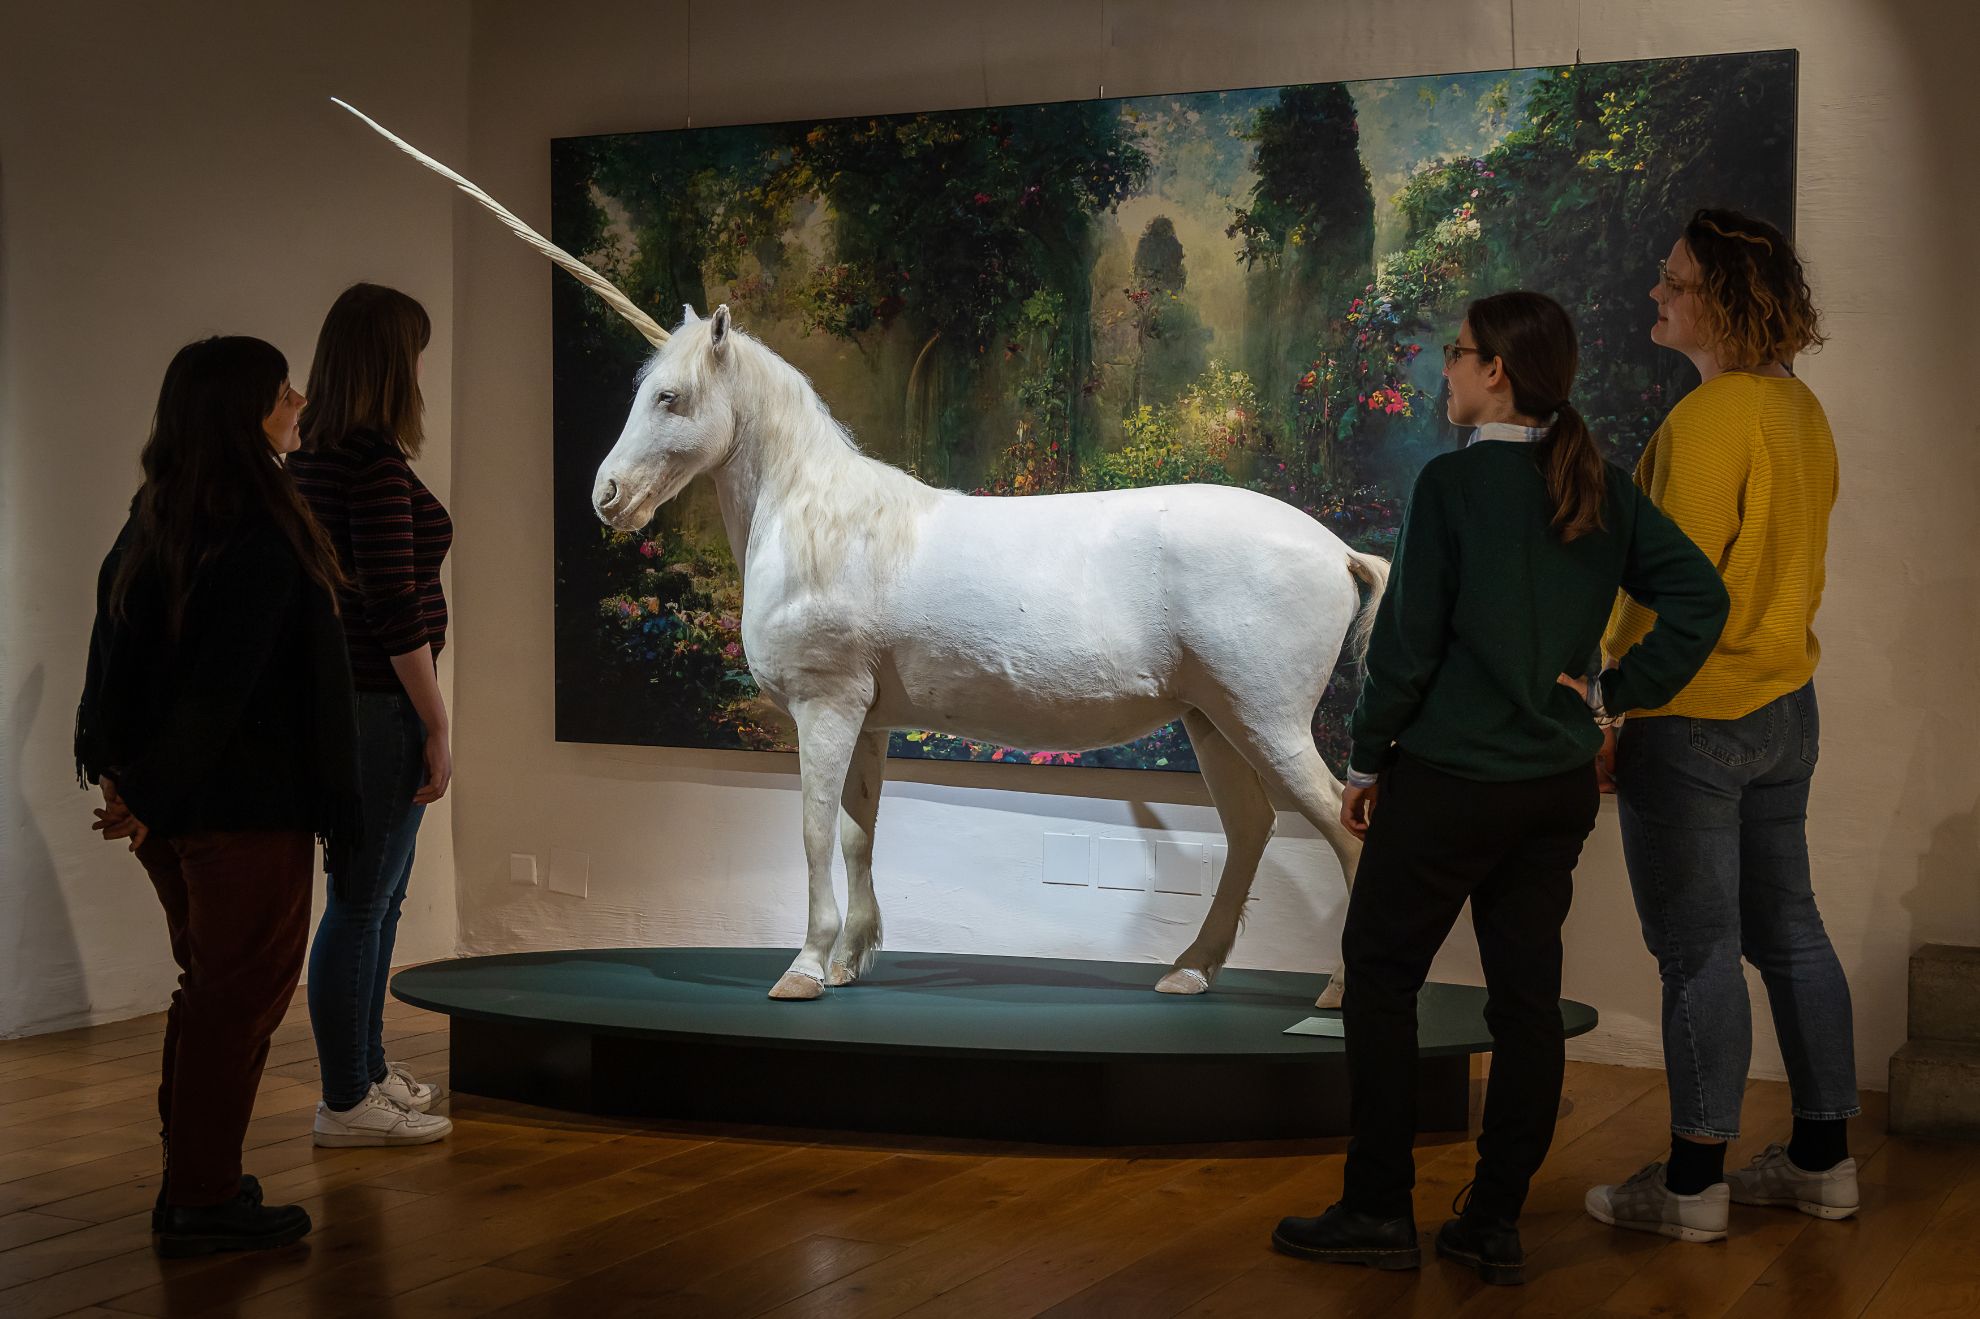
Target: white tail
x=1373 y=571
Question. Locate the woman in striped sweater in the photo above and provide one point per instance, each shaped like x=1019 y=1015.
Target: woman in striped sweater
x=359 y=430
x=1713 y=784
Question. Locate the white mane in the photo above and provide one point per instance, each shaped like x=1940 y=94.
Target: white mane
x=833 y=496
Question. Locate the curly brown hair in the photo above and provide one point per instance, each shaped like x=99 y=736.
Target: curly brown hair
x=1755 y=307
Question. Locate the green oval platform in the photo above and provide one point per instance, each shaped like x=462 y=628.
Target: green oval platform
x=1022 y=1048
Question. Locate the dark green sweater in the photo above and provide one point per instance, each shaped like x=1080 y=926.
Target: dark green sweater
x=1486 y=607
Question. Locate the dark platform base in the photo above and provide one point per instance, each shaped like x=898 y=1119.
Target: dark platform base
x=929 y=1044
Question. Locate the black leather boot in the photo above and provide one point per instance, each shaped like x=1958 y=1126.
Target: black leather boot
x=1491 y=1247
x=1343 y=1236
x=250 y=1187
x=238 y=1224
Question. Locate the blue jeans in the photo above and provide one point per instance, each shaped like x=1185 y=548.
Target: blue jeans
x=350 y=961
x=1714 y=829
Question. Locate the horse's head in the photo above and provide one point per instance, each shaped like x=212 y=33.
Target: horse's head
x=681 y=424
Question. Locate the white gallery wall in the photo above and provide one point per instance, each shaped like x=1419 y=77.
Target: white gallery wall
x=169 y=172
x=132 y=198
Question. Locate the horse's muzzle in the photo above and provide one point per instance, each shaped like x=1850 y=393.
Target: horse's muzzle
x=609 y=501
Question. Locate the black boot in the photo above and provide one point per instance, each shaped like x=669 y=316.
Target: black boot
x=1344 y=1236
x=238 y=1224
x=250 y=1187
x=1489 y=1246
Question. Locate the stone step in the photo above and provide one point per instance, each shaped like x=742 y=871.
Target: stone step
x=1945 y=994
x=1935 y=1089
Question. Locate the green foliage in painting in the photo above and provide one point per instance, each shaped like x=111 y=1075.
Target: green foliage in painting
x=1246 y=288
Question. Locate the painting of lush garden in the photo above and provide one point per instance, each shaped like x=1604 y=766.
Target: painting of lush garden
x=1247 y=287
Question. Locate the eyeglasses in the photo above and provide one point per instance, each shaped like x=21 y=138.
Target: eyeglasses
x=1453 y=351
x=1677 y=287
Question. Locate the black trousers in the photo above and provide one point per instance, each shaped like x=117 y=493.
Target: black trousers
x=1435 y=841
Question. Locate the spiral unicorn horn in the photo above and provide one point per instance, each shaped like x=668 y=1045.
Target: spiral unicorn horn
x=591 y=279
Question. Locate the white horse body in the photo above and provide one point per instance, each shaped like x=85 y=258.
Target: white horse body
x=1055 y=622
x=1106 y=616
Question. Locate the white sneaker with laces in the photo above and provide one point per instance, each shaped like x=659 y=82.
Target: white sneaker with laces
x=1645 y=1204
x=399 y=1084
x=1774 y=1179
x=377 y=1119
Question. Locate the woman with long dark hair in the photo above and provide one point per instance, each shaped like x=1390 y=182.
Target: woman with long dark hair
x=218 y=720
x=1712 y=782
x=360 y=431
x=1482 y=759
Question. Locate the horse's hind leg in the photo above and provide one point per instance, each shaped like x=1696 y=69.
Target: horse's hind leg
x=1248 y=819
x=1290 y=763
x=859 y=805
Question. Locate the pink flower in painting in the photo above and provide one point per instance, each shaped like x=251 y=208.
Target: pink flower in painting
x=647 y=549
x=982 y=199
x=732 y=650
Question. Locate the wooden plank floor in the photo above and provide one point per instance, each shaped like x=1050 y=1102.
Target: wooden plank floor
x=533 y=1213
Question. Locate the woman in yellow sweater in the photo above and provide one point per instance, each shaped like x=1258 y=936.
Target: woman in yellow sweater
x=1713 y=787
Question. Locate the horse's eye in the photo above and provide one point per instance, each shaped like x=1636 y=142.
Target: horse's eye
x=665 y=397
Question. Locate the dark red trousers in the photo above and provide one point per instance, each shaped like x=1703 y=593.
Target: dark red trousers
x=237 y=907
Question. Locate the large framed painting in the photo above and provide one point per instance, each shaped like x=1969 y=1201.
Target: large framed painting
x=1247 y=287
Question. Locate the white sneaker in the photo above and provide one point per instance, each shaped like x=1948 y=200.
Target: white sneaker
x=400 y=1086
x=1773 y=1179
x=377 y=1119
x=1645 y=1204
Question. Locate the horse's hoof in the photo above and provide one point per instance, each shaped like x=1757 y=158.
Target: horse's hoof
x=1183 y=980
x=1330 y=997
x=840 y=974
x=797 y=985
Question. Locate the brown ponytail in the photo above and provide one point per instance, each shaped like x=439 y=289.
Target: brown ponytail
x=1535 y=343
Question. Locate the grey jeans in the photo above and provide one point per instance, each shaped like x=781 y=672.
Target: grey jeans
x=1714 y=829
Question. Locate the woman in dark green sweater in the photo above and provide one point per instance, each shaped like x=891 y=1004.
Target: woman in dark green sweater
x=1482 y=757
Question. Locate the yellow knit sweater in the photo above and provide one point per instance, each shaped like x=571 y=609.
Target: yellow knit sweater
x=1746 y=466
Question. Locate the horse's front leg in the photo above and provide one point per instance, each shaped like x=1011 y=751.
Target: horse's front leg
x=860 y=804
x=827 y=735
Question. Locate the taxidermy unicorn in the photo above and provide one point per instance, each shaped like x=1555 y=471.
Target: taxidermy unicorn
x=872 y=602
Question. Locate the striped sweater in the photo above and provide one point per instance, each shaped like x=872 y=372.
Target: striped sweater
x=391 y=535
x=1746 y=466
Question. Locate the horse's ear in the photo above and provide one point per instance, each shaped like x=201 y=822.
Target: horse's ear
x=687 y=314
x=718 y=328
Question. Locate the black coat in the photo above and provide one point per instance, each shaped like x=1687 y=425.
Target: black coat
x=246 y=720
